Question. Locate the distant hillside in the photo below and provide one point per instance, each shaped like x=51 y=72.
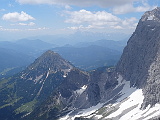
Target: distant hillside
x=89 y=57
x=13 y=59
x=111 y=44
x=85 y=55
x=15 y=55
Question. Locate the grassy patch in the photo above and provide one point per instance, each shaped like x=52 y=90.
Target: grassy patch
x=3 y=82
x=11 y=103
x=27 y=107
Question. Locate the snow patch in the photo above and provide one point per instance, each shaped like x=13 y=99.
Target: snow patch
x=30 y=78
x=80 y=91
x=43 y=83
x=66 y=71
x=98 y=117
x=64 y=76
x=84 y=112
x=38 y=78
x=153 y=29
x=127 y=90
x=151 y=17
x=120 y=81
x=130 y=108
x=132 y=101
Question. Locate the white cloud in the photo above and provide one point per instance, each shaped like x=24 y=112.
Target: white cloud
x=22 y=30
x=81 y=27
x=23 y=24
x=1 y=10
x=95 y=18
x=119 y=6
x=129 y=8
x=15 y=17
x=9 y=29
x=103 y=3
x=117 y=27
x=98 y=20
x=67 y=7
x=37 y=29
x=129 y=21
x=31 y=24
x=27 y=24
x=10 y=5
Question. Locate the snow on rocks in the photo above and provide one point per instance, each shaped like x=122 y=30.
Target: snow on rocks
x=130 y=108
x=85 y=112
x=80 y=91
x=151 y=17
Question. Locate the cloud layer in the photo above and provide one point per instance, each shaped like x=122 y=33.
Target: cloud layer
x=96 y=18
x=129 y=8
x=15 y=17
x=104 y=3
x=100 y=19
x=24 y=24
x=117 y=6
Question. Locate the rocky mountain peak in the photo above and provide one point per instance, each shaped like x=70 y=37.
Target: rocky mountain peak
x=153 y=15
x=37 y=82
x=47 y=64
x=50 y=61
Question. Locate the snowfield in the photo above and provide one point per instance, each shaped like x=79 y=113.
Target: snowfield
x=85 y=112
x=127 y=107
x=130 y=108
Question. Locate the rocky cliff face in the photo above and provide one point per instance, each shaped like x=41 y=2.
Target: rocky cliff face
x=139 y=63
x=141 y=49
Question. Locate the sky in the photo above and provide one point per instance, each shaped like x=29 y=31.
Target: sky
x=26 y=18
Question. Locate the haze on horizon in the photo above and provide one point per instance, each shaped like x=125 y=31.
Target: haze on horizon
x=31 y=18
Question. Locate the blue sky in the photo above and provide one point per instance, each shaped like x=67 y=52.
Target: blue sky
x=26 y=18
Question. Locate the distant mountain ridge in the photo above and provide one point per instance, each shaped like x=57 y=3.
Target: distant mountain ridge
x=89 y=57
x=81 y=36
x=110 y=44
x=16 y=55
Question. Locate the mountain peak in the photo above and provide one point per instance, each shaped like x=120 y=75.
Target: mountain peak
x=50 y=53
x=50 y=61
x=153 y=15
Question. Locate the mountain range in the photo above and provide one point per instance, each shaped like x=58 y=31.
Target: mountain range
x=51 y=88
x=81 y=37
x=15 y=56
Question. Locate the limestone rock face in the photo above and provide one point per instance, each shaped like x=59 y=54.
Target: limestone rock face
x=140 y=61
